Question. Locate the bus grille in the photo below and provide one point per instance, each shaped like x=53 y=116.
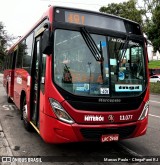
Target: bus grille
x=96 y=133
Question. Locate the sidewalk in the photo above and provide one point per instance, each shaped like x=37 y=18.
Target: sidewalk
x=5 y=149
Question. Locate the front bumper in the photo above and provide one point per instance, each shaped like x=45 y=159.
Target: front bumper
x=55 y=131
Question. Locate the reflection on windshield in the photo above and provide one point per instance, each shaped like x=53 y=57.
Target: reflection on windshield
x=96 y=52
x=77 y=71
x=126 y=66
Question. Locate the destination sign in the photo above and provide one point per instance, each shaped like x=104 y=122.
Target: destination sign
x=95 y=19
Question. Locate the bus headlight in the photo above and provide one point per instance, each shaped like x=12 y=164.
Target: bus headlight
x=145 y=111
x=60 y=112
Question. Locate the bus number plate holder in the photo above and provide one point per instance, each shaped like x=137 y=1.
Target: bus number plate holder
x=109 y=137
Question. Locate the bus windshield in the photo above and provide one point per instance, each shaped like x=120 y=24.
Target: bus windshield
x=76 y=70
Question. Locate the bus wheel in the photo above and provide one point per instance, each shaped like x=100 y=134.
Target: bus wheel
x=9 y=100
x=25 y=115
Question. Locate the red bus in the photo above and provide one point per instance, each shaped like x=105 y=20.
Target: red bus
x=79 y=75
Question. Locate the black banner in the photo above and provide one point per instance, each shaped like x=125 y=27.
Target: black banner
x=40 y=159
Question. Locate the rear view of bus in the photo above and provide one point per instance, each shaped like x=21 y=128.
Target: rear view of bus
x=91 y=80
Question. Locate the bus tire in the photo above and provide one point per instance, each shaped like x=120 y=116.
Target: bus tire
x=9 y=100
x=24 y=111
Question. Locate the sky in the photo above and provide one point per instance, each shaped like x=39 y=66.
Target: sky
x=18 y=16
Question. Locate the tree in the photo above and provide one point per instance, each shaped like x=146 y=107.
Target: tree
x=148 y=7
x=151 y=21
x=153 y=29
x=126 y=10
x=3 y=43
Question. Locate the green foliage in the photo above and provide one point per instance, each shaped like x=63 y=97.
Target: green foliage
x=3 y=43
x=154 y=64
x=126 y=10
x=153 y=29
x=3 y=40
x=155 y=88
x=148 y=8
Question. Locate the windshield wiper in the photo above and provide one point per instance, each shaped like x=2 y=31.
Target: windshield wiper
x=102 y=59
x=124 y=48
x=91 y=45
x=96 y=52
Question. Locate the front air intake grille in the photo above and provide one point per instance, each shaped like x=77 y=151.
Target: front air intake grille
x=106 y=107
x=96 y=133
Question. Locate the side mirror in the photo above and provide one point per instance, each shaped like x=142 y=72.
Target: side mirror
x=47 y=45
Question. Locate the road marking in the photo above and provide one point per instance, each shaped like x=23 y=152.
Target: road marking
x=154 y=116
x=154 y=101
x=9 y=107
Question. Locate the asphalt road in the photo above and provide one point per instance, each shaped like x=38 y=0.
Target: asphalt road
x=23 y=143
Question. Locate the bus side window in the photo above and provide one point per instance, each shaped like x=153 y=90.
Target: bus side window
x=9 y=61
x=28 y=53
x=6 y=62
x=43 y=68
x=18 y=59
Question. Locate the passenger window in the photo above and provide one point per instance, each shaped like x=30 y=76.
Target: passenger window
x=19 y=58
x=28 y=53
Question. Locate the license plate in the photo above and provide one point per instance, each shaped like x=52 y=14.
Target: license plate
x=109 y=138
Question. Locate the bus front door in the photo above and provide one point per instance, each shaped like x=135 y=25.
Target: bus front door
x=36 y=80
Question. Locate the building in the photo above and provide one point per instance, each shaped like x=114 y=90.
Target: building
x=152 y=55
